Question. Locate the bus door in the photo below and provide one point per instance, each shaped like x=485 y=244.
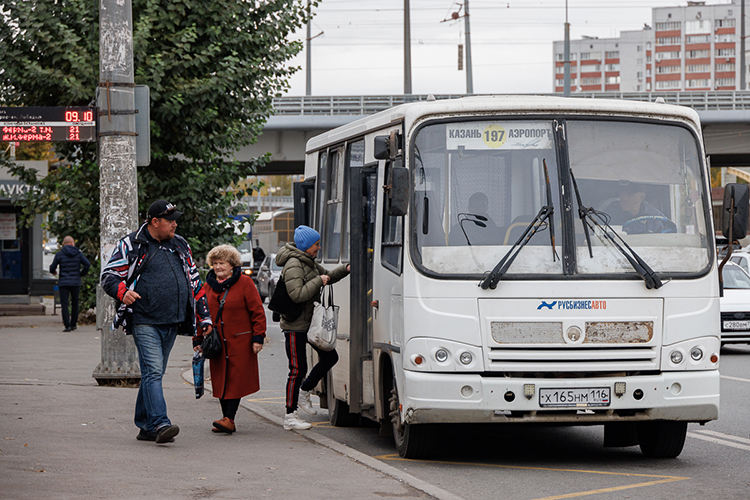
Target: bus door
x=362 y=234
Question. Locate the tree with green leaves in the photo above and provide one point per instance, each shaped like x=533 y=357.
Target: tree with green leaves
x=213 y=68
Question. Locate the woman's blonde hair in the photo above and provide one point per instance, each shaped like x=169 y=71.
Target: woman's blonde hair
x=224 y=252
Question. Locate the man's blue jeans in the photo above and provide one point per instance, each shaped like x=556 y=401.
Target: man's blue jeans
x=154 y=343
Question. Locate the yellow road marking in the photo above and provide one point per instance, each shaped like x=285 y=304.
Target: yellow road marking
x=660 y=479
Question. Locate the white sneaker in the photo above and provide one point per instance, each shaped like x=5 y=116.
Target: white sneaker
x=293 y=423
x=305 y=403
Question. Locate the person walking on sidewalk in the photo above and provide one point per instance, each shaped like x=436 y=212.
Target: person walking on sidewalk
x=304 y=278
x=73 y=264
x=152 y=275
x=242 y=326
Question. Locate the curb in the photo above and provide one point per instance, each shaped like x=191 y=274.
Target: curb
x=418 y=484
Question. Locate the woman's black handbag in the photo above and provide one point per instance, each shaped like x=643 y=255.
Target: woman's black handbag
x=212 y=344
x=282 y=304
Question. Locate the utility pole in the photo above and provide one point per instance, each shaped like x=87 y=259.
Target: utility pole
x=566 y=56
x=742 y=47
x=407 y=49
x=308 y=86
x=118 y=183
x=469 y=76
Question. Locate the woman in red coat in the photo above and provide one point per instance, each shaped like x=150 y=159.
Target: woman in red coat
x=234 y=374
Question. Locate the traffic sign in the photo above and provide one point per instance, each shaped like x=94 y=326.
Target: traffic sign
x=48 y=124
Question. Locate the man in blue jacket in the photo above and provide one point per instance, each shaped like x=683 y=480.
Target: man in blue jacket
x=73 y=264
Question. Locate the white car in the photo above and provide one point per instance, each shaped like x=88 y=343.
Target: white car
x=735 y=305
x=742 y=259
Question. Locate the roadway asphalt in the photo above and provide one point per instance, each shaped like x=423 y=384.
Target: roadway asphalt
x=63 y=436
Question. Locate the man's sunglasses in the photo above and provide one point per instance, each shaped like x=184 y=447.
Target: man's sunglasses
x=168 y=211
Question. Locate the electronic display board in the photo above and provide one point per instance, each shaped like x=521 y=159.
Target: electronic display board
x=48 y=124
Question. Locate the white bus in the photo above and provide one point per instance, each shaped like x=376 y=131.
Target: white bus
x=520 y=260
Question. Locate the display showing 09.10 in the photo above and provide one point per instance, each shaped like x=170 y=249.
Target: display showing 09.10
x=48 y=124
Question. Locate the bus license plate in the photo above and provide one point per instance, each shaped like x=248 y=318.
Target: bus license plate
x=574 y=398
x=737 y=325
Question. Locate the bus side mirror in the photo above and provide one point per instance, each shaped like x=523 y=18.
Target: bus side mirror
x=398 y=190
x=380 y=147
x=734 y=213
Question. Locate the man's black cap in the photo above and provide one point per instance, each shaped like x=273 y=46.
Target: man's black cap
x=162 y=209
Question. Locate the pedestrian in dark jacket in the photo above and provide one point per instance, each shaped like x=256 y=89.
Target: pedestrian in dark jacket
x=242 y=327
x=304 y=278
x=152 y=274
x=73 y=264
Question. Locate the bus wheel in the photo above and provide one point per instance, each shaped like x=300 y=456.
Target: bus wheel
x=662 y=438
x=412 y=441
x=338 y=411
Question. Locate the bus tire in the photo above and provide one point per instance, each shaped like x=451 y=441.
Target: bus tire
x=411 y=440
x=338 y=411
x=662 y=438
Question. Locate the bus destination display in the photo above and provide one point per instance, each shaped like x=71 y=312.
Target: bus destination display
x=48 y=124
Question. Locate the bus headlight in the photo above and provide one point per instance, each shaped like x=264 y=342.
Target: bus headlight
x=441 y=355
x=466 y=358
x=676 y=357
x=696 y=353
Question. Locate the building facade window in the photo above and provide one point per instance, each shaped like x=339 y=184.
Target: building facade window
x=612 y=54
x=591 y=55
x=648 y=58
x=697 y=26
x=725 y=82
x=588 y=68
x=698 y=68
x=725 y=67
x=612 y=67
x=612 y=79
x=672 y=25
x=698 y=39
x=725 y=23
x=725 y=52
x=694 y=54
x=668 y=40
x=661 y=56
x=669 y=84
x=725 y=37
x=661 y=70
x=706 y=82
x=591 y=81
x=639 y=48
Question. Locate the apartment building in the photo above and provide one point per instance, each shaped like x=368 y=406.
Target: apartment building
x=695 y=47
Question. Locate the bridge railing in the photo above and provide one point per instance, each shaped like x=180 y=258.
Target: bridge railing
x=369 y=104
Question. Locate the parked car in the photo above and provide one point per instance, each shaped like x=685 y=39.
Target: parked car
x=742 y=259
x=268 y=275
x=51 y=246
x=735 y=305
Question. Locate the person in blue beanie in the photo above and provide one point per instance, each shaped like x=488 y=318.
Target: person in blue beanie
x=73 y=264
x=304 y=278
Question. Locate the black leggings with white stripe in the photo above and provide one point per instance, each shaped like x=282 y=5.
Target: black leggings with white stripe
x=296 y=352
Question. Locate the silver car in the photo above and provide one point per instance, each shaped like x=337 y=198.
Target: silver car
x=268 y=275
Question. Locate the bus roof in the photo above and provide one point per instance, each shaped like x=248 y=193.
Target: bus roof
x=522 y=104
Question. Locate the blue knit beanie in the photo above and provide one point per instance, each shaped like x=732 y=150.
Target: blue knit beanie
x=305 y=237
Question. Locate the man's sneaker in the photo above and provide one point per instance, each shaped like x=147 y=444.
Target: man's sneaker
x=293 y=423
x=305 y=403
x=165 y=433
x=148 y=436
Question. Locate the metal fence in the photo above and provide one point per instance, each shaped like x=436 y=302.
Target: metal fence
x=369 y=104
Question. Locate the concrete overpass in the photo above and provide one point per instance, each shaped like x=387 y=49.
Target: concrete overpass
x=725 y=117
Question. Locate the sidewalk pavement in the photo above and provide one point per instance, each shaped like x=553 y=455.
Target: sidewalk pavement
x=63 y=436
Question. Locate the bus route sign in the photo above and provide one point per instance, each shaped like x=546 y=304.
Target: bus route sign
x=48 y=124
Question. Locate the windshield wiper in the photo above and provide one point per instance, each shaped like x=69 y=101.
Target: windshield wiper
x=545 y=215
x=595 y=219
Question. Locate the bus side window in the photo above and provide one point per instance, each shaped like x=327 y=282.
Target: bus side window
x=334 y=206
x=392 y=247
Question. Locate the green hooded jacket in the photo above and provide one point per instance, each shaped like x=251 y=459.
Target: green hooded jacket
x=301 y=274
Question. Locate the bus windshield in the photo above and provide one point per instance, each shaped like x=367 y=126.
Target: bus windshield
x=480 y=185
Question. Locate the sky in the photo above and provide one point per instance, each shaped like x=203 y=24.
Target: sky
x=357 y=46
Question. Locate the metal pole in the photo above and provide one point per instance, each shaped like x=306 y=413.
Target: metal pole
x=469 y=76
x=566 y=57
x=118 y=183
x=407 y=49
x=742 y=47
x=308 y=87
